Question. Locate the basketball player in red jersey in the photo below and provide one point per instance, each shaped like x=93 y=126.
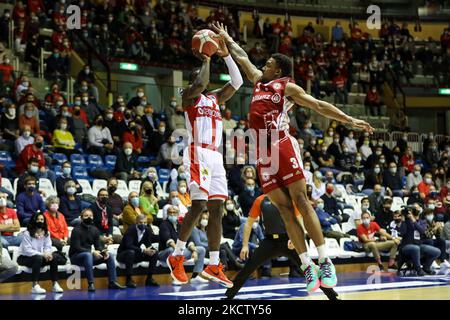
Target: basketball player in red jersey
x=274 y=92
x=208 y=183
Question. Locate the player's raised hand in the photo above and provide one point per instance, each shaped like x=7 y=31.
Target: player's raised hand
x=221 y=30
x=200 y=56
x=223 y=49
x=361 y=124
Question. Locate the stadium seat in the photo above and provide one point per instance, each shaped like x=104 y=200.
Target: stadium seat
x=86 y=186
x=122 y=189
x=155 y=230
x=8 y=186
x=80 y=172
x=134 y=186
x=46 y=186
x=333 y=248
x=143 y=162
x=57 y=169
x=110 y=161
x=346 y=227
x=397 y=203
x=95 y=161
x=5 y=158
x=163 y=175
x=77 y=160
x=60 y=158
x=98 y=184
x=15 y=185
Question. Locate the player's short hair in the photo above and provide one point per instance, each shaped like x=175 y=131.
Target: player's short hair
x=284 y=63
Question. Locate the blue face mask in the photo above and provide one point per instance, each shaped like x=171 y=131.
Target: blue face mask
x=34 y=169
x=142 y=227
x=134 y=202
x=250 y=188
x=320 y=206
x=67 y=171
x=172 y=219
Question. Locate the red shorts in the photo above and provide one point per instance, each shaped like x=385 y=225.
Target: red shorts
x=288 y=165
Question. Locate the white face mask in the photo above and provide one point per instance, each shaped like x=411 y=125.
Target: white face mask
x=428 y=181
x=26 y=134
x=3 y=202
x=430 y=218
x=176 y=201
x=366 y=222
x=431 y=206
x=140 y=94
x=365 y=207
x=63 y=126
x=182 y=190
x=204 y=223
x=12 y=112
x=128 y=151
x=230 y=207
x=358 y=158
x=377 y=170
x=109 y=116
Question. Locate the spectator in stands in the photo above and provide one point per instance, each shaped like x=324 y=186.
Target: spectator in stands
x=408 y=160
x=414 y=196
x=168 y=154
x=28 y=118
x=136 y=246
x=90 y=108
x=100 y=140
x=174 y=200
x=231 y=220
x=148 y=202
x=384 y=216
x=178 y=121
x=82 y=239
x=373 y=178
x=115 y=202
x=248 y=196
x=366 y=234
x=372 y=102
x=424 y=186
x=152 y=176
x=63 y=140
x=331 y=205
x=79 y=128
x=436 y=203
x=35 y=252
x=256 y=236
x=57 y=66
x=412 y=247
x=104 y=218
x=355 y=219
x=29 y=202
x=414 y=177
x=158 y=138
x=393 y=181
x=432 y=155
x=337 y=33
x=340 y=88
x=177 y=175
x=365 y=149
x=228 y=121
x=35 y=151
x=376 y=199
x=133 y=135
x=24 y=139
x=9 y=223
x=33 y=171
x=326 y=221
x=66 y=176
x=7 y=71
x=131 y=211
x=168 y=233
x=70 y=203
x=350 y=142
x=126 y=164
x=57 y=225
x=86 y=78
x=7 y=267
x=9 y=124
x=136 y=100
x=432 y=236
x=183 y=194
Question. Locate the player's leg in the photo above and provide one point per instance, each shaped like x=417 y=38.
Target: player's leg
x=281 y=199
x=297 y=191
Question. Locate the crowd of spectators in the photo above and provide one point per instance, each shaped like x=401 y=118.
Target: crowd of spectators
x=33 y=131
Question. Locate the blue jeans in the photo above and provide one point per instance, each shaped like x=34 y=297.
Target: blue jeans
x=415 y=252
x=13 y=241
x=87 y=260
x=438 y=243
x=199 y=264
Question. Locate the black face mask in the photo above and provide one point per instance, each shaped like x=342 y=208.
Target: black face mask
x=76 y=112
x=103 y=200
x=112 y=189
x=148 y=191
x=38 y=145
x=39 y=225
x=397 y=220
x=99 y=122
x=88 y=221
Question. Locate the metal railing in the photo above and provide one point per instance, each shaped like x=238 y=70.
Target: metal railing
x=11 y=43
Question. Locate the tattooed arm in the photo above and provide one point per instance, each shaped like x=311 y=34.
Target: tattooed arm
x=239 y=54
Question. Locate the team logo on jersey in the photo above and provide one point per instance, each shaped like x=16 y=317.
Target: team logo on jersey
x=277 y=86
x=265 y=176
x=205 y=172
x=276 y=98
x=297 y=172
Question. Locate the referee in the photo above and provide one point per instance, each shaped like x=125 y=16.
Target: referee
x=276 y=243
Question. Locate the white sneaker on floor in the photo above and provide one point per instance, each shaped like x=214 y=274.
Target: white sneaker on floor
x=434 y=265
x=57 y=288
x=198 y=279
x=445 y=264
x=38 y=290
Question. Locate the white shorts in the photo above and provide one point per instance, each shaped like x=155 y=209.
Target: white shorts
x=206 y=174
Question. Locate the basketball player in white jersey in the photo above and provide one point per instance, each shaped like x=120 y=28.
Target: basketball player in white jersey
x=208 y=184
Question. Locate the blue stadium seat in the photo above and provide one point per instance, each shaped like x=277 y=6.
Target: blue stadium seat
x=80 y=172
x=77 y=160
x=143 y=162
x=5 y=157
x=60 y=158
x=94 y=161
x=163 y=175
x=57 y=169
x=110 y=161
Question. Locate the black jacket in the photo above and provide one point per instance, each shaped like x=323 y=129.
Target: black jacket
x=82 y=239
x=130 y=239
x=98 y=219
x=123 y=164
x=61 y=181
x=246 y=200
x=166 y=232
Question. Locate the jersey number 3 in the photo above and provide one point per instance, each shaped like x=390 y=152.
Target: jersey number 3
x=294 y=163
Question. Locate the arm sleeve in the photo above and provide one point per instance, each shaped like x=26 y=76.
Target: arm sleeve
x=91 y=138
x=20 y=207
x=129 y=240
x=128 y=217
x=236 y=77
x=27 y=246
x=47 y=244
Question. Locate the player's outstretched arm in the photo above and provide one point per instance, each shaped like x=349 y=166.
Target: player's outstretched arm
x=239 y=54
x=193 y=91
x=228 y=90
x=326 y=109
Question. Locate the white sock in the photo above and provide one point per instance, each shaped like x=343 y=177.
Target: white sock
x=305 y=258
x=214 y=258
x=322 y=250
x=179 y=248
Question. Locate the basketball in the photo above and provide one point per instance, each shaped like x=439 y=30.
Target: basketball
x=205 y=42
